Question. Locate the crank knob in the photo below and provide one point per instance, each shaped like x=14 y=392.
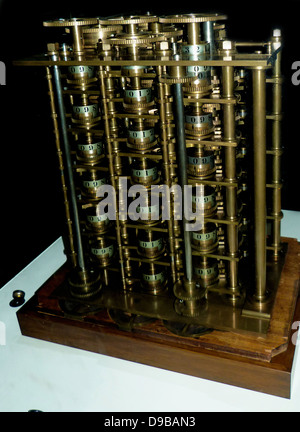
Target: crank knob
x=18 y=298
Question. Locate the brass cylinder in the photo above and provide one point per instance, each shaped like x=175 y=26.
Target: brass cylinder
x=71 y=247
x=91 y=181
x=193 y=33
x=276 y=147
x=89 y=150
x=153 y=278
x=77 y=40
x=102 y=251
x=259 y=146
x=150 y=244
x=230 y=174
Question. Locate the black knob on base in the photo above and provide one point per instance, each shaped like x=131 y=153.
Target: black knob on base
x=18 y=298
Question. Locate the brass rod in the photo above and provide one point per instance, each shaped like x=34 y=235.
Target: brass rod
x=167 y=174
x=277 y=150
x=77 y=40
x=193 y=33
x=249 y=60
x=250 y=44
x=259 y=148
x=208 y=30
x=111 y=169
x=72 y=252
x=230 y=176
x=183 y=179
x=69 y=167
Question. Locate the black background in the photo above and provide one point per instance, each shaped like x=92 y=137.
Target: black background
x=31 y=211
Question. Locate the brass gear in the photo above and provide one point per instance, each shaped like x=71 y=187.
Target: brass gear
x=132 y=19
x=71 y=22
x=166 y=79
x=170 y=32
x=100 y=28
x=191 y=18
x=137 y=39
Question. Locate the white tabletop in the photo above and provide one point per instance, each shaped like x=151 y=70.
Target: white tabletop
x=35 y=374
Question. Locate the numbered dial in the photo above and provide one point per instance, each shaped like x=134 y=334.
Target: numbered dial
x=200 y=125
x=200 y=72
x=138 y=99
x=135 y=96
x=145 y=172
x=81 y=77
x=193 y=51
x=148 y=213
x=86 y=111
x=91 y=181
x=204 y=200
x=150 y=244
x=144 y=210
x=102 y=251
x=200 y=163
x=141 y=138
x=153 y=278
x=89 y=153
x=81 y=72
x=97 y=220
x=202 y=85
x=206 y=271
x=206 y=239
x=85 y=115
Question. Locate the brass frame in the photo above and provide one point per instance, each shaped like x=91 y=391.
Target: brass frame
x=257 y=64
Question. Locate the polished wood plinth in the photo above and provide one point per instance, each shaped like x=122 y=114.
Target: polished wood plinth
x=259 y=362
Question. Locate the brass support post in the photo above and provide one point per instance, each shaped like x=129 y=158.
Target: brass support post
x=111 y=168
x=259 y=148
x=208 y=30
x=69 y=166
x=230 y=175
x=193 y=33
x=54 y=116
x=77 y=40
x=183 y=179
x=167 y=174
x=276 y=146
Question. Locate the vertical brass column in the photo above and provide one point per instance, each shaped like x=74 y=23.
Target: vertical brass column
x=69 y=166
x=230 y=175
x=183 y=180
x=167 y=173
x=276 y=145
x=259 y=148
x=105 y=100
x=208 y=30
x=54 y=115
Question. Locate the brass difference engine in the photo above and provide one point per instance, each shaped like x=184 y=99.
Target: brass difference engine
x=165 y=105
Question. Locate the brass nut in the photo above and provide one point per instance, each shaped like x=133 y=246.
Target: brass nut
x=226 y=45
x=104 y=46
x=52 y=47
x=163 y=46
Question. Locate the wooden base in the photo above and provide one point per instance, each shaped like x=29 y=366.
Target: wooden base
x=250 y=361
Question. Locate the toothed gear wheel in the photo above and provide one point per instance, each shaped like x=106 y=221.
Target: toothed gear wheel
x=100 y=28
x=191 y=18
x=132 y=19
x=71 y=22
x=165 y=79
x=182 y=308
x=136 y=39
